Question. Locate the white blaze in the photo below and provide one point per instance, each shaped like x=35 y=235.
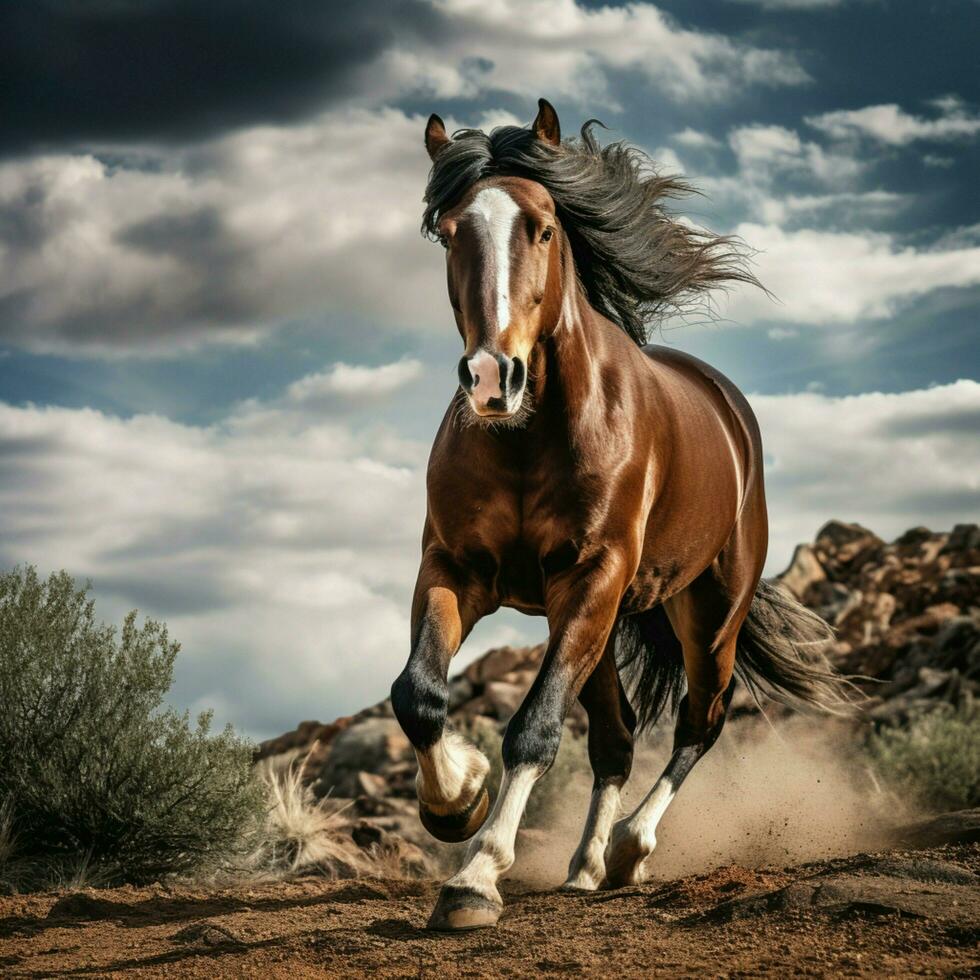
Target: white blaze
x=497 y=211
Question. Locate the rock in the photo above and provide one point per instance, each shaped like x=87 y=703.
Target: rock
x=372 y=784
x=906 y=889
x=302 y=738
x=960 y=827
x=832 y=600
x=365 y=834
x=835 y=535
x=407 y=858
x=502 y=699
x=207 y=935
x=804 y=571
x=498 y=662
x=963 y=537
x=370 y=745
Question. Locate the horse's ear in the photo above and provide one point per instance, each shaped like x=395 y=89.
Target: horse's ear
x=436 y=139
x=546 y=126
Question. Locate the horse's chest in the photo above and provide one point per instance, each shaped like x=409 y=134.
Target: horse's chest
x=553 y=523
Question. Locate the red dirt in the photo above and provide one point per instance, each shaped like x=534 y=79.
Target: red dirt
x=905 y=913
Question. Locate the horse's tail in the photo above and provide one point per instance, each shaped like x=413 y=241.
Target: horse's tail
x=780 y=654
x=651 y=664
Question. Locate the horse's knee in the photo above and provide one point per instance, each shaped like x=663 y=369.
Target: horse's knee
x=532 y=739
x=420 y=701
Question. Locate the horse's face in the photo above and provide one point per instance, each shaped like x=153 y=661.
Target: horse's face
x=504 y=274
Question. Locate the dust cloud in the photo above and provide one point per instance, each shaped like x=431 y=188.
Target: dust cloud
x=762 y=796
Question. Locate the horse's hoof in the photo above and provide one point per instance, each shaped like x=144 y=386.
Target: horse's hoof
x=460 y=909
x=451 y=828
x=579 y=884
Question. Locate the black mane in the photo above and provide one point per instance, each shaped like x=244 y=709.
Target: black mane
x=635 y=262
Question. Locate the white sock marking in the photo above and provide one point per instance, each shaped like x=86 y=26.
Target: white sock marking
x=588 y=865
x=635 y=837
x=498 y=212
x=491 y=852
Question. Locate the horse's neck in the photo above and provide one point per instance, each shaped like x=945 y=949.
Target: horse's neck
x=570 y=368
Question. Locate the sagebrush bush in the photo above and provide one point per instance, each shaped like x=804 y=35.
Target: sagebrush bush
x=935 y=761
x=93 y=764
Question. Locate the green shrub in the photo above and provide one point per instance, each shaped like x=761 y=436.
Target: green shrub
x=935 y=761
x=94 y=767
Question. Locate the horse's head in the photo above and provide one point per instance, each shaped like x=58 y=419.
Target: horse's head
x=503 y=265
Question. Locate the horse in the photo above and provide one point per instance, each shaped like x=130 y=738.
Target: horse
x=614 y=487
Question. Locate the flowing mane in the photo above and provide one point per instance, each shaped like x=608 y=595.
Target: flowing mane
x=634 y=260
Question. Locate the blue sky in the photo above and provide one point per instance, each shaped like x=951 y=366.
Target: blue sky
x=224 y=345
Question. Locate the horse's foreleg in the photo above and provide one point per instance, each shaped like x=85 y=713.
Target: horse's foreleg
x=581 y=612
x=453 y=802
x=611 y=726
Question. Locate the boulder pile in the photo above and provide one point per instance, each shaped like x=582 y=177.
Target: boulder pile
x=906 y=614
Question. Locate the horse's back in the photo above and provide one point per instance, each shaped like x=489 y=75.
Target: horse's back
x=702 y=375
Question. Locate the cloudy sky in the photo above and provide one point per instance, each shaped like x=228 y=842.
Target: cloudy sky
x=224 y=345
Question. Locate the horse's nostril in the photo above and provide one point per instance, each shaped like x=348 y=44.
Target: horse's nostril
x=517 y=375
x=465 y=377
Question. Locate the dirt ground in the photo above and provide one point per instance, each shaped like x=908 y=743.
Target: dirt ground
x=900 y=913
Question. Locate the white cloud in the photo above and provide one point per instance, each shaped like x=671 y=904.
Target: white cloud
x=888 y=461
x=892 y=125
x=354 y=381
x=769 y=151
x=792 y=4
x=695 y=139
x=779 y=177
x=806 y=218
x=565 y=51
x=174 y=248
x=830 y=277
x=867 y=205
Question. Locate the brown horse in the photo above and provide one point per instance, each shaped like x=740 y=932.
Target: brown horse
x=616 y=489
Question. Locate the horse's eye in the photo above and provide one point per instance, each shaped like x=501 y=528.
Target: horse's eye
x=546 y=235
x=444 y=241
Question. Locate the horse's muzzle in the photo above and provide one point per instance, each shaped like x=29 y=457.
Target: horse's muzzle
x=493 y=381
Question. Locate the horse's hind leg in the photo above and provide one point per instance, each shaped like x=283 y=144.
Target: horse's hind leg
x=707 y=623
x=611 y=726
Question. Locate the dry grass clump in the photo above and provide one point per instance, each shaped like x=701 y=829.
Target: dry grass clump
x=301 y=834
